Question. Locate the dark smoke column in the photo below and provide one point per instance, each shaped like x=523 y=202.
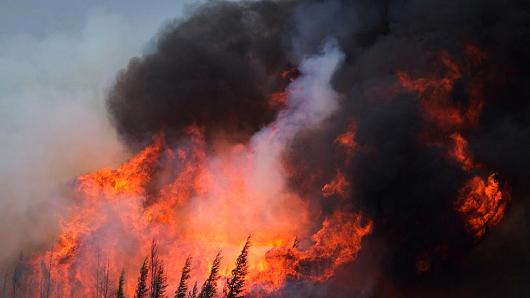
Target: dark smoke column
x=216 y=70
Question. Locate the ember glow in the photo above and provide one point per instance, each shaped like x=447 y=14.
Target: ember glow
x=480 y=200
x=482 y=203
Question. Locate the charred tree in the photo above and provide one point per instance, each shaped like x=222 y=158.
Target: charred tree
x=153 y=258
x=158 y=278
x=18 y=278
x=209 y=288
x=194 y=292
x=49 y=279
x=106 y=281
x=141 y=287
x=183 y=285
x=236 y=283
x=121 y=283
x=160 y=283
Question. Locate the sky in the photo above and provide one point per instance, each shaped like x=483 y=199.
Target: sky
x=57 y=62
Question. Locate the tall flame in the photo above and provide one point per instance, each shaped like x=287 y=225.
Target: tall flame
x=195 y=199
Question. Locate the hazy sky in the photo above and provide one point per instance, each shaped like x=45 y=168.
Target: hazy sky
x=40 y=18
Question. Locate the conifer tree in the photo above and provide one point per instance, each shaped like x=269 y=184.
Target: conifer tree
x=121 y=283
x=183 y=285
x=106 y=281
x=236 y=283
x=153 y=258
x=160 y=282
x=209 y=288
x=141 y=287
x=158 y=278
x=194 y=292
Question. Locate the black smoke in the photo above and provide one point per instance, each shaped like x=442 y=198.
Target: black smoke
x=219 y=67
x=215 y=69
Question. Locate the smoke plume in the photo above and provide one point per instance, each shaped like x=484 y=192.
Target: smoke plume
x=371 y=148
x=218 y=68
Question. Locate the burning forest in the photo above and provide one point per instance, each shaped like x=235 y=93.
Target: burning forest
x=319 y=148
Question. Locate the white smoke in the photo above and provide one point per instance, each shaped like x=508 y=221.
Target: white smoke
x=259 y=166
x=53 y=121
x=311 y=99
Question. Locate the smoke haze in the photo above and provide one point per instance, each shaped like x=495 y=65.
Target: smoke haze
x=53 y=121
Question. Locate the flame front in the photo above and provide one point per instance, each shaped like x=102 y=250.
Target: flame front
x=195 y=199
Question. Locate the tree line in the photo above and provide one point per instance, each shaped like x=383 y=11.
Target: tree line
x=152 y=281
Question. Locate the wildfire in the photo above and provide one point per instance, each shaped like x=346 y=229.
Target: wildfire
x=480 y=200
x=206 y=203
x=338 y=186
x=435 y=95
x=460 y=152
x=129 y=178
x=336 y=243
x=482 y=203
x=347 y=140
x=196 y=201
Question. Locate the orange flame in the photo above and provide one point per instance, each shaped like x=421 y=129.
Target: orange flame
x=435 y=94
x=347 y=140
x=460 y=152
x=336 y=243
x=208 y=203
x=482 y=203
x=339 y=186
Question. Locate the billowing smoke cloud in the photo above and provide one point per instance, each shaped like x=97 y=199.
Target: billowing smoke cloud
x=380 y=94
x=407 y=185
x=218 y=68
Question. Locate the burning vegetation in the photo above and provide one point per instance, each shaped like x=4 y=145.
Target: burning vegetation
x=365 y=156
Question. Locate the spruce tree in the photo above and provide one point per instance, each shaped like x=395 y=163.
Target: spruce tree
x=153 y=258
x=183 y=285
x=160 y=282
x=194 y=292
x=236 y=283
x=121 y=283
x=141 y=287
x=158 y=277
x=209 y=288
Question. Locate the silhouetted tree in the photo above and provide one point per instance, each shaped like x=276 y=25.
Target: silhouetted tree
x=153 y=258
x=49 y=276
x=158 y=278
x=160 y=282
x=236 y=283
x=4 y=286
x=209 y=288
x=141 y=287
x=183 y=285
x=106 y=281
x=19 y=273
x=194 y=292
x=121 y=283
